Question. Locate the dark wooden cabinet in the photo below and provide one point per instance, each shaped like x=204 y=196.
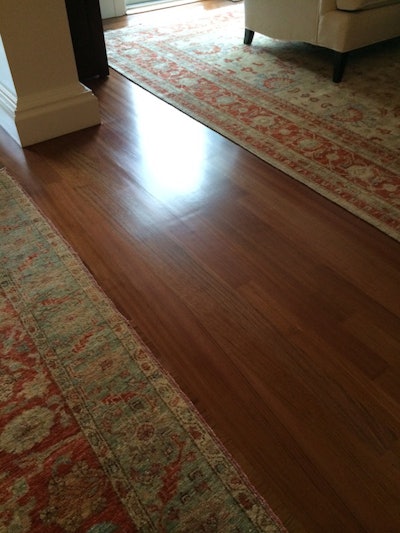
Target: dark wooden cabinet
x=87 y=38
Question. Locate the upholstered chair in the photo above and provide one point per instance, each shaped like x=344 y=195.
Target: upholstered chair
x=340 y=25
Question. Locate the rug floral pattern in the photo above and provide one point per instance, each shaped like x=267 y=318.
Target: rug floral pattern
x=94 y=436
x=278 y=101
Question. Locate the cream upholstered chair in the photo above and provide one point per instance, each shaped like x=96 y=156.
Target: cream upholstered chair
x=340 y=25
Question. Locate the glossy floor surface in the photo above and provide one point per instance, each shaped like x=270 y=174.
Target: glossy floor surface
x=276 y=311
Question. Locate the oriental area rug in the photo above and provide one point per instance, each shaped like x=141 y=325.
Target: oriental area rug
x=95 y=437
x=277 y=100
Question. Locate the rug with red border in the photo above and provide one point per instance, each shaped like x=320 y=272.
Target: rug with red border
x=277 y=100
x=95 y=436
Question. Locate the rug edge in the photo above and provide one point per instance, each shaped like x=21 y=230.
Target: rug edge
x=149 y=353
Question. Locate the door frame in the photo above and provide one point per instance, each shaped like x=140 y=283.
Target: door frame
x=112 y=8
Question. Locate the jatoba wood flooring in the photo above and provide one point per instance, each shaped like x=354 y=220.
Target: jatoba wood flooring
x=276 y=311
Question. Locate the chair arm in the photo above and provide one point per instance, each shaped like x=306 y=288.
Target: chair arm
x=292 y=20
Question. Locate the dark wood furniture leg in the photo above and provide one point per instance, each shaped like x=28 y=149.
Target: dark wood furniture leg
x=248 y=36
x=339 y=63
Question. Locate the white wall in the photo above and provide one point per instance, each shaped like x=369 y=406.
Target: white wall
x=112 y=8
x=6 y=81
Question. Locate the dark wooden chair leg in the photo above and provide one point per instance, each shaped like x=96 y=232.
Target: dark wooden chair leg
x=339 y=64
x=248 y=36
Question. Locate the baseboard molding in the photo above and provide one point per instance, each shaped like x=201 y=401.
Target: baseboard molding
x=38 y=117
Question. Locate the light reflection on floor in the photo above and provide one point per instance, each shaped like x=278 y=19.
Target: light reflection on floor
x=172 y=158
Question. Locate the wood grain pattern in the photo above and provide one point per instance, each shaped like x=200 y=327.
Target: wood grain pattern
x=276 y=311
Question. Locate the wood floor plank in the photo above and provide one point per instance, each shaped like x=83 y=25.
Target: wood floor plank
x=276 y=311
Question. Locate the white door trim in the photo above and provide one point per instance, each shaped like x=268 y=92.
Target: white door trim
x=112 y=8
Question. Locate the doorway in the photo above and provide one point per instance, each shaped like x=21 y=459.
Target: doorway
x=132 y=4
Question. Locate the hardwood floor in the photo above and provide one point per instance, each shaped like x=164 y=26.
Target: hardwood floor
x=276 y=311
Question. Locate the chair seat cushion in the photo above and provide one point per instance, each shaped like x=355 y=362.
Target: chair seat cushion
x=358 y=5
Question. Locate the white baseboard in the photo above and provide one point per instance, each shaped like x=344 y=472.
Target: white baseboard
x=46 y=115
